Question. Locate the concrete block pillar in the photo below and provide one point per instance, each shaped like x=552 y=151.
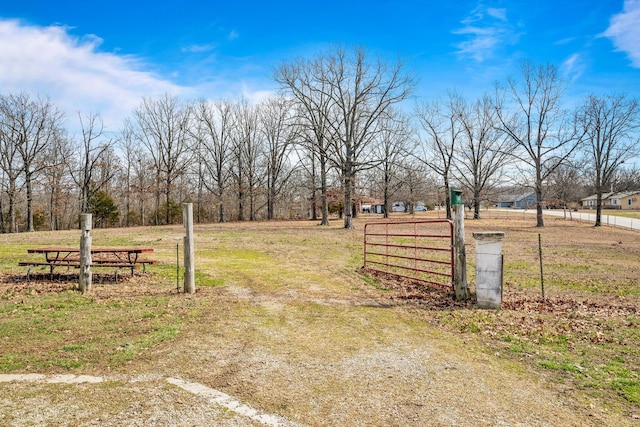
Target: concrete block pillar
x=489 y=264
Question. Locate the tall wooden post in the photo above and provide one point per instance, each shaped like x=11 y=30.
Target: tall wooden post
x=85 y=277
x=460 y=262
x=189 y=263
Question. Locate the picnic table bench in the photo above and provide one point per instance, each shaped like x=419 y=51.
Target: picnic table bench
x=115 y=257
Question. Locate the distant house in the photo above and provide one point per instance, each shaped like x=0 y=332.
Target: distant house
x=628 y=200
x=522 y=200
x=371 y=205
x=334 y=201
x=590 y=202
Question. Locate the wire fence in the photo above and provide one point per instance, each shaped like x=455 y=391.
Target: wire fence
x=608 y=220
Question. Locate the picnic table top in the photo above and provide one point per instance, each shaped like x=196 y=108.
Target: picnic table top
x=131 y=250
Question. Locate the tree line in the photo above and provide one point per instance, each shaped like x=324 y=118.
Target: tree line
x=340 y=129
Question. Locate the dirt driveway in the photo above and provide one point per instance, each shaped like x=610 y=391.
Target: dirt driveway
x=278 y=358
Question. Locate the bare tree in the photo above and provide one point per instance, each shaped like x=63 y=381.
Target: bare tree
x=362 y=91
x=537 y=124
x=565 y=186
x=482 y=152
x=94 y=147
x=627 y=178
x=391 y=148
x=419 y=183
x=308 y=163
x=215 y=127
x=309 y=86
x=10 y=163
x=60 y=186
x=610 y=124
x=279 y=131
x=33 y=124
x=128 y=148
x=442 y=129
x=143 y=184
x=246 y=152
x=355 y=91
x=3 y=227
x=136 y=180
x=162 y=127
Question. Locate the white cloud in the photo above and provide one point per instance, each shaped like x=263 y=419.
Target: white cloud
x=498 y=13
x=256 y=96
x=78 y=77
x=624 y=31
x=486 y=29
x=233 y=35
x=573 y=67
x=74 y=73
x=198 y=48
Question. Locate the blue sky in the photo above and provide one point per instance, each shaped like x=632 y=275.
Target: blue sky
x=98 y=55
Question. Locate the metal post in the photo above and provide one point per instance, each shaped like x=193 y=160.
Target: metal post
x=541 y=269
x=177 y=267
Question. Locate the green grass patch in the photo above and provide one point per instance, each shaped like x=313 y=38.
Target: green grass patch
x=10 y=362
x=565 y=366
x=630 y=389
x=292 y=290
x=43 y=330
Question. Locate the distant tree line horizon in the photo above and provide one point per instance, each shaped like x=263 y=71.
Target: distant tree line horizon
x=341 y=123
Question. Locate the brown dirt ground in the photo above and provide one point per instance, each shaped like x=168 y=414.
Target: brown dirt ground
x=434 y=383
x=439 y=380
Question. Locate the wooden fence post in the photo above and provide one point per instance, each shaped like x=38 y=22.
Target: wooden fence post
x=189 y=263
x=85 y=277
x=460 y=261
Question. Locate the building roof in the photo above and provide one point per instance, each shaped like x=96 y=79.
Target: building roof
x=512 y=198
x=606 y=196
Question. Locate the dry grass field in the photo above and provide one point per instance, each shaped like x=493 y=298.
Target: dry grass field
x=286 y=322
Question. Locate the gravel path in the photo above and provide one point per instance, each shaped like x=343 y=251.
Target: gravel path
x=284 y=358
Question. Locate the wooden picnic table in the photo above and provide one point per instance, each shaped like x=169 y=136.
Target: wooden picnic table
x=123 y=254
x=116 y=257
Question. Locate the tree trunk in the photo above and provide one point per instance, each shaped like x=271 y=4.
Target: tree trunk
x=348 y=179
x=348 y=220
x=385 y=195
x=221 y=217
x=447 y=196
x=539 y=218
x=348 y=194
x=476 y=204
x=323 y=190
x=252 y=206
x=314 y=205
x=271 y=196
x=314 y=190
x=2 y=223
x=598 y=206
x=13 y=225
x=29 y=186
x=167 y=196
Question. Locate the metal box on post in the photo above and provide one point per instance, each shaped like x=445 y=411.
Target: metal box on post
x=456 y=197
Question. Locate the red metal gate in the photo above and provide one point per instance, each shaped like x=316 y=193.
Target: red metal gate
x=416 y=250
